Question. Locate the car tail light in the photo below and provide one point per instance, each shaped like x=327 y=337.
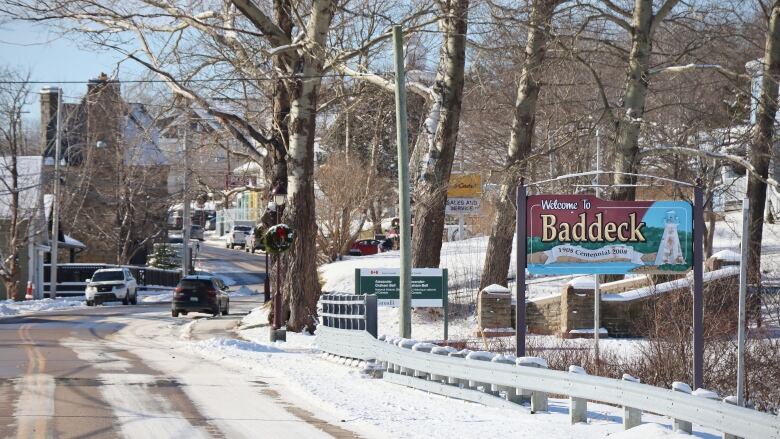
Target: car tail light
x=211 y=293
x=178 y=292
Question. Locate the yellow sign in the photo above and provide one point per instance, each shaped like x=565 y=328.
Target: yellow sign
x=465 y=186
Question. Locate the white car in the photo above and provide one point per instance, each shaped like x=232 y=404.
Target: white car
x=111 y=284
x=237 y=236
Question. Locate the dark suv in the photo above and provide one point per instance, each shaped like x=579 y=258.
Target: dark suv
x=200 y=293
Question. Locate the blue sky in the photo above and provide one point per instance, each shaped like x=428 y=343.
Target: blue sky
x=52 y=58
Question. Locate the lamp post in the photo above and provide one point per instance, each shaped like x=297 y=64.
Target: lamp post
x=279 y=193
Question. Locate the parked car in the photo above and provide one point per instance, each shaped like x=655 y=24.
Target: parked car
x=111 y=284
x=200 y=293
x=196 y=232
x=237 y=236
x=255 y=239
x=365 y=247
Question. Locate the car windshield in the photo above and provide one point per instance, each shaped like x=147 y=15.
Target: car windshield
x=102 y=276
x=242 y=228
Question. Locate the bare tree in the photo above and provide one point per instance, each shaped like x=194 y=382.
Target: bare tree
x=239 y=37
x=763 y=136
x=16 y=182
x=499 y=248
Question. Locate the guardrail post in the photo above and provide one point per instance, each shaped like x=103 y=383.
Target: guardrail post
x=441 y=350
x=458 y=381
x=406 y=343
x=680 y=425
x=538 y=399
x=631 y=417
x=511 y=392
x=422 y=347
x=578 y=407
x=481 y=356
x=733 y=401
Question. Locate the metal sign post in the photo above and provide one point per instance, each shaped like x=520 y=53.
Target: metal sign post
x=520 y=260
x=698 y=286
x=742 y=294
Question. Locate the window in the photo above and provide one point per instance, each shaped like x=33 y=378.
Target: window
x=103 y=276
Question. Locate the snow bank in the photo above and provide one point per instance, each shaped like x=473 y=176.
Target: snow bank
x=156 y=298
x=12 y=308
x=243 y=292
x=232 y=345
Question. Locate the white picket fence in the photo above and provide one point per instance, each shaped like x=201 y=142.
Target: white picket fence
x=480 y=377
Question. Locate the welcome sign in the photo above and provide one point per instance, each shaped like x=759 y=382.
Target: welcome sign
x=583 y=234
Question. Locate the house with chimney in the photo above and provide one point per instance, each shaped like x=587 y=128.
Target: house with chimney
x=114 y=177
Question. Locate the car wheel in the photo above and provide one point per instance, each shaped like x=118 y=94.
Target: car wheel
x=90 y=303
x=184 y=313
x=126 y=300
x=134 y=299
x=215 y=311
x=226 y=310
x=175 y=312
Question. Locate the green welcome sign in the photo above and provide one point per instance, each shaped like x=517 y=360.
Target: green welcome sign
x=429 y=286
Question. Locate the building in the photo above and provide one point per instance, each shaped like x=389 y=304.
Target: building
x=114 y=175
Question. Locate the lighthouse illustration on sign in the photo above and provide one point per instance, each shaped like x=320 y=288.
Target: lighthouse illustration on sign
x=669 y=252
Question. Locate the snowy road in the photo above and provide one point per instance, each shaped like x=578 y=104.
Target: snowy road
x=122 y=372
x=126 y=371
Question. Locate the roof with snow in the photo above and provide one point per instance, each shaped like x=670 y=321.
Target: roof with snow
x=142 y=138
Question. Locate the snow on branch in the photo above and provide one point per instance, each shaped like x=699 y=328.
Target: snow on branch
x=691 y=67
x=769 y=181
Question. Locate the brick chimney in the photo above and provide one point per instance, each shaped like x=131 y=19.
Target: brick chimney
x=104 y=111
x=49 y=98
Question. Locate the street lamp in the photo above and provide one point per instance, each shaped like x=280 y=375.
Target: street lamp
x=279 y=193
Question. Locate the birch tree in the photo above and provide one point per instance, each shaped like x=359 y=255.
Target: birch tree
x=230 y=44
x=499 y=248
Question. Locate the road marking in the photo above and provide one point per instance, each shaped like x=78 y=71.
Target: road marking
x=95 y=356
x=35 y=407
x=142 y=414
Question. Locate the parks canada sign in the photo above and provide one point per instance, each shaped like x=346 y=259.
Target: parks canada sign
x=583 y=234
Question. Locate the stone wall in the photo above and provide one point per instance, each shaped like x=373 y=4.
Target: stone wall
x=543 y=316
x=494 y=312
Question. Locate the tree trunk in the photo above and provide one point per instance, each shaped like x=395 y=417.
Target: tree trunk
x=430 y=193
x=301 y=281
x=281 y=104
x=763 y=135
x=499 y=250
x=630 y=116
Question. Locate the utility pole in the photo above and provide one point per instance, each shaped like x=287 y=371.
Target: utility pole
x=55 y=214
x=185 y=220
x=404 y=217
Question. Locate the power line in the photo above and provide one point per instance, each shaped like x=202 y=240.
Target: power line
x=163 y=81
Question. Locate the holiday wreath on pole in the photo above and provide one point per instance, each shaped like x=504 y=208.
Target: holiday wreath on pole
x=278 y=238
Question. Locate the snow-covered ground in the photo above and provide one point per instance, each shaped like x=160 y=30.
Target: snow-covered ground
x=375 y=405
x=12 y=308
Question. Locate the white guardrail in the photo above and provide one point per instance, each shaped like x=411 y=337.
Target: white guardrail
x=483 y=381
